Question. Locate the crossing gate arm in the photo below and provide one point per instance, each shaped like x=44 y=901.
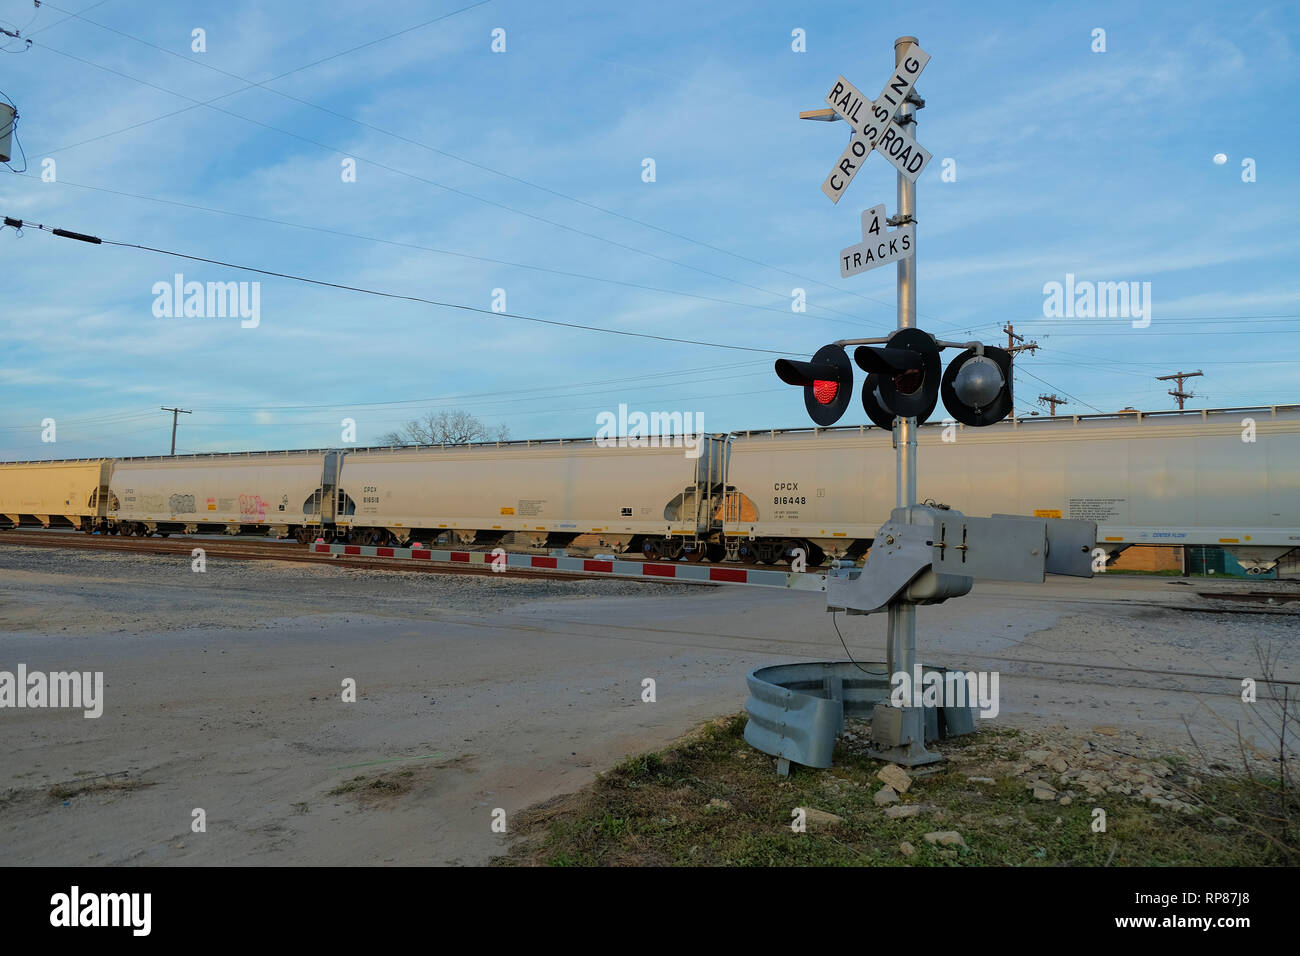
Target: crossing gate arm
x=637 y=570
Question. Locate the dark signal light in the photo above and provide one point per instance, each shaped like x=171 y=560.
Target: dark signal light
x=977 y=389
x=903 y=379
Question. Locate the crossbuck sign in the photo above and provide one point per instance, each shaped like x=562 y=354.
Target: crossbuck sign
x=874 y=127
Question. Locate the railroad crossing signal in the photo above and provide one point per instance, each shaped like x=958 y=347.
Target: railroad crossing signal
x=903 y=380
x=873 y=124
x=879 y=246
x=924 y=554
x=827 y=382
x=976 y=389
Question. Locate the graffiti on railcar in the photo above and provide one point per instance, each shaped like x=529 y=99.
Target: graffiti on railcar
x=252 y=509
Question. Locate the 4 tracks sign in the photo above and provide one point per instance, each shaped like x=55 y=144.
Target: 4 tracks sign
x=879 y=246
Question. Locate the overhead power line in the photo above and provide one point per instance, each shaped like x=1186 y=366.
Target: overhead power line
x=785 y=311
x=20 y=224
x=1074 y=398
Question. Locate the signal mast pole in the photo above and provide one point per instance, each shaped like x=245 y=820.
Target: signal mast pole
x=901 y=641
x=925 y=554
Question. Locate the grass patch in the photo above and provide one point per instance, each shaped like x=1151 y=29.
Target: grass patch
x=370 y=788
x=712 y=800
x=68 y=791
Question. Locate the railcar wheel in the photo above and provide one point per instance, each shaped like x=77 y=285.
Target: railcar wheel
x=695 y=553
x=652 y=550
x=813 y=556
x=141 y=531
x=747 y=552
x=715 y=552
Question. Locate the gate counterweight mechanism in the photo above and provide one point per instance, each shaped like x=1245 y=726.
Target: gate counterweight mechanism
x=924 y=554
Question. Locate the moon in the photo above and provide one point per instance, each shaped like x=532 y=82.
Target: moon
x=1220 y=159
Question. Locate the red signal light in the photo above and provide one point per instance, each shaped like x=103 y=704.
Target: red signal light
x=826 y=382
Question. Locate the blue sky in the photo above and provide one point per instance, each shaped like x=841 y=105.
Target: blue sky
x=522 y=171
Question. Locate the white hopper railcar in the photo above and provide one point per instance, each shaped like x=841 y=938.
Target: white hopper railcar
x=277 y=492
x=662 y=497
x=1223 y=477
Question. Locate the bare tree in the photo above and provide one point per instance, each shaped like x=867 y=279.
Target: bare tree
x=450 y=427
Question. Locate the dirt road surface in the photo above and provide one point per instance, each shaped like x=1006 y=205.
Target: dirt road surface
x=223 y=692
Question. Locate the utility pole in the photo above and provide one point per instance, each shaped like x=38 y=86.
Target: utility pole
x=1013 y=348
x=1012 y=339
x=1178 y=392
x=1052 y=400
x=175 y=412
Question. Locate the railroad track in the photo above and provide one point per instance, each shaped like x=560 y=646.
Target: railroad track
x=263 y=550
x=1279 y=603
x=254 y=550
x=1108 y=676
